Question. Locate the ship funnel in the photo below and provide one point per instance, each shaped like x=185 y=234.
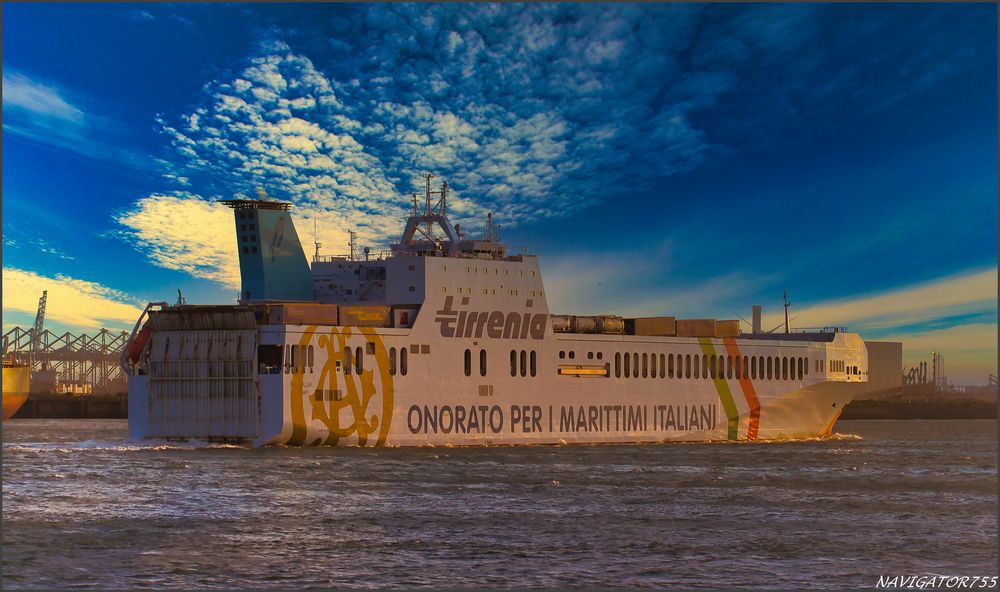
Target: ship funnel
x=756 y=319
x=273 y=265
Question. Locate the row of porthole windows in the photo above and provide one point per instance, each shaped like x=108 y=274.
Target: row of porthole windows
x=482 y=362
x=298 y=358
x=402 y=361
x=496 y=270
x=631 y=365
x=572 y=355
x=523 y=363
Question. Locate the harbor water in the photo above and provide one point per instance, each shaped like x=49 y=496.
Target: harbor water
x=84 y=508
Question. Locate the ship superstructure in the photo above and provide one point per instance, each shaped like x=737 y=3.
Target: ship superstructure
x=448 y=340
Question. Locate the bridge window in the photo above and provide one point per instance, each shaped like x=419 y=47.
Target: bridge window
x=697 y=368
x=746 y=367
x=769 y=367
x=663 y=366
x=482 y=362
x=645 y=365
x=800 y=368
x=687 y=365
x=533 y=362
x=652 y=365
x=784 y=368
x=359 y=361
x=635 y=364
x=805 y=366
x=729 y=367
x=513 y=363
x=711 y=370
x=468 y=362
x=628 y=365
x=670 y=365
x=310 y=358
x=402 y=361
x=347 y=360
x=618 y=365
x=524 y=363
x=392 y=361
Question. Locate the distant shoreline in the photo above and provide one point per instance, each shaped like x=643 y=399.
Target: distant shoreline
x=921 y=408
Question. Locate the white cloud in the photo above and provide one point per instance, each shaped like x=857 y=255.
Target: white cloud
x=41 y=100
x=185 y=233
x=954 y=295
x=71 y=301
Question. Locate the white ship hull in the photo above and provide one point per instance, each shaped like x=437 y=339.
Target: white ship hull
x=434 y=403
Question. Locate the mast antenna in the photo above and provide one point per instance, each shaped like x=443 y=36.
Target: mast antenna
x=786 y=311
x=353 y=243
x=316 y=240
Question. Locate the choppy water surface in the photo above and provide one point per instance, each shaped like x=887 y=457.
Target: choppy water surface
x=82 y=508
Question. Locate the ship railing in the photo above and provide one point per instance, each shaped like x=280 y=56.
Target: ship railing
x=123 y=361
x=820 y=330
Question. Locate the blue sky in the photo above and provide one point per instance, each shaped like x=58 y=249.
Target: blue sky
x=662 y=159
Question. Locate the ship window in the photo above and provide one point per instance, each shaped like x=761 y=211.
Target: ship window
x=799 y=365
x=524 y=363
x=590 y=355
x=704 y=366
x=243 y=227
x=670 y=365
x=288 y=357
x=628 y=365
x=413 y=288
x=513 y=363
x=295 y=359
x=687 y=366
x=600 y=355
x=412 y=267
x=618 y=365
x=805 y=366
x=784 y=368
x=753 y=367
x=663 y=366
x=243 y=215
x=635 y=364
x=562 y=355
x=482 y=362
x=269 y=359
x=746 y=367
x=645 y=365
x=370 y=348
x=769 y=367
x=359 y=361
x=246 y=250
x=253 y=249
x=534 y=361
x=311 y=359
x=414 y=348
x=252 y=227
x=572 y=354
x=347 y=360
x=652 y=365
x=402 y=361
x=468 y=362
x=392 y=361
x=696 y=366
x=729 y=367
x=253 y=238
x=711 y=369
x=736 y=365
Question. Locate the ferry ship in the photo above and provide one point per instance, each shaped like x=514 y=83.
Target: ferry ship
x=446 y=339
